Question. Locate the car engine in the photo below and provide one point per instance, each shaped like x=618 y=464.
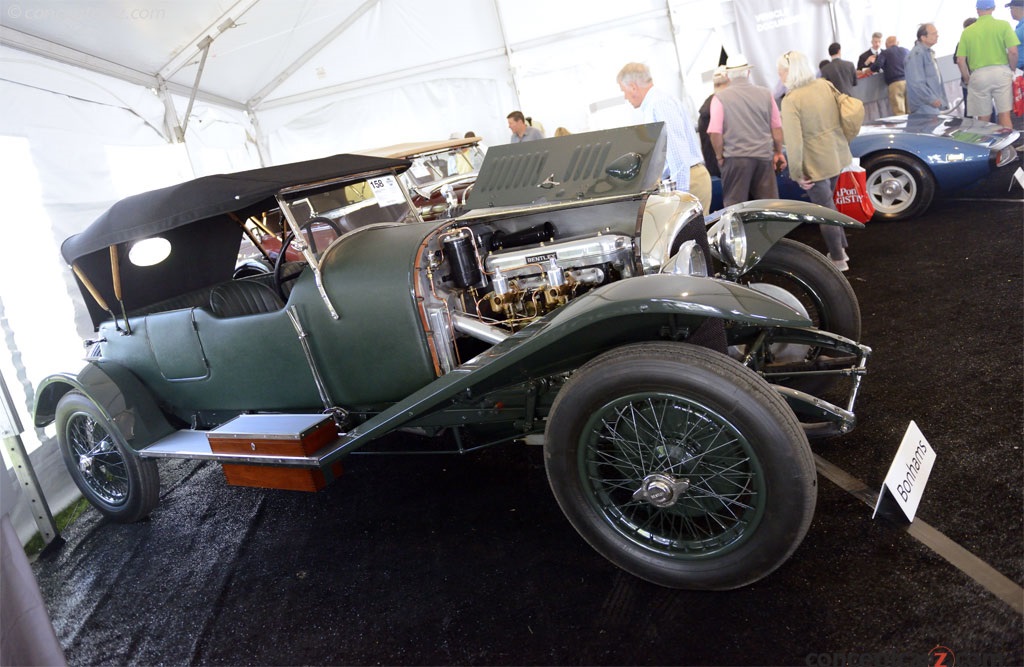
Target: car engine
x=487 y=284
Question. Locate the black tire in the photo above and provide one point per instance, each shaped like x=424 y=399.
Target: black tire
x=802 y=277
x=121 y=485
x=900 y=186
x=705 y=421
x=813 y=280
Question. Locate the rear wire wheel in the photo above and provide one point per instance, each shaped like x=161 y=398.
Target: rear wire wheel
x=121 y=485
x=680 y=466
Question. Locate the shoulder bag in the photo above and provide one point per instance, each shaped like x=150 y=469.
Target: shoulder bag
x=851 y=112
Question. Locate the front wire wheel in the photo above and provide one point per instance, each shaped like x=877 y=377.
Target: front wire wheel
x=680 y=466
x=805 y=280
x=120 y=484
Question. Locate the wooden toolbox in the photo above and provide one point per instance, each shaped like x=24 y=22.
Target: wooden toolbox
x=273 y=435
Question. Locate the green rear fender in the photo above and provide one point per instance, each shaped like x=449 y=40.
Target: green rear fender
x=115 y=392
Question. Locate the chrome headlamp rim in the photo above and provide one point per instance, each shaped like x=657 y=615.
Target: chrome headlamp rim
x=688 y=261
x=728 y=240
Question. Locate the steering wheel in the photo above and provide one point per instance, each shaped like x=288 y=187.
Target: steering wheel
x=306 y=228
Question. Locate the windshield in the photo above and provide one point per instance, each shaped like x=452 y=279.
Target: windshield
x=427 y=169
x=325 y=214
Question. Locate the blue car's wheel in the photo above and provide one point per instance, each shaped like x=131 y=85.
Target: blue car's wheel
x=680 y=466
x=899 y=186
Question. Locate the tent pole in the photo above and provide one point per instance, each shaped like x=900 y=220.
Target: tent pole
x=257 y=131
x=174 y=130
x=204 y=45
x=508 y=54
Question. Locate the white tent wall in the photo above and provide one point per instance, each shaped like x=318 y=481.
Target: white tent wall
x=74 y=142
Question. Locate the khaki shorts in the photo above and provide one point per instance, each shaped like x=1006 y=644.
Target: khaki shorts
x=988 y=86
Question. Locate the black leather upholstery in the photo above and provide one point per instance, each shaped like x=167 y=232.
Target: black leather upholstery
x=243 y=297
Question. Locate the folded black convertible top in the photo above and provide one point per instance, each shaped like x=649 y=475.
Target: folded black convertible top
x=155 y=212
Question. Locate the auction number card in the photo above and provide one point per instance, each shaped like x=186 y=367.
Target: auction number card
x=386 y=190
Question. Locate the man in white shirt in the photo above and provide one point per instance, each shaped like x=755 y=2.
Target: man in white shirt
x=685 y=162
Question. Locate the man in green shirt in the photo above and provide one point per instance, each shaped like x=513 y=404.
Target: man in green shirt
x=990 y=46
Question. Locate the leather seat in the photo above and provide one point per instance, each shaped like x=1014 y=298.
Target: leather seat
x=243 y=297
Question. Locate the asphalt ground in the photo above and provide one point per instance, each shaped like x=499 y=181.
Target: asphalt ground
x=468 y=559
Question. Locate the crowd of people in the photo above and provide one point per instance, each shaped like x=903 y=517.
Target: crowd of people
x=742 y=127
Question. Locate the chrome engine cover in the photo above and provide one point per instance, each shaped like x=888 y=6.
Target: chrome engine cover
x=570 y=254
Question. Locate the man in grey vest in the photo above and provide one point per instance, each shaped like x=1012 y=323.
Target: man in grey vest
x=746 y=133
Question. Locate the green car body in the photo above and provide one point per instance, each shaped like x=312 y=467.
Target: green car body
x=477 y=328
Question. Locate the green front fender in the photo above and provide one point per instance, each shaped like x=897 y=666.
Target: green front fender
x=115 y=392
x=628 y=311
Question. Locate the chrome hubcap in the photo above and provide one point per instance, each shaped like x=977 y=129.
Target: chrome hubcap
x=891 y=187
x=661 y=490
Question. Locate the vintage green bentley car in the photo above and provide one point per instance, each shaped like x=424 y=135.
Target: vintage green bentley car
x=674 y=436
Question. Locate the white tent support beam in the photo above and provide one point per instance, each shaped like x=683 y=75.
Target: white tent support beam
x=283 y=76
x=46 y=49
x=187 y=53
x=507 y=50
x=204 y=45
x=396 y=75
x=174 y=129
x=41 y=47
x=257 y=138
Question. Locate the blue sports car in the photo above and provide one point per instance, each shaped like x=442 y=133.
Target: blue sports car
x=908 y=158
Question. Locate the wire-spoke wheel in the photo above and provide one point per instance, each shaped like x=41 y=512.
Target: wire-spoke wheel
x=680 y=466
x=804 y=279
x=700 y=488
x=113 y=478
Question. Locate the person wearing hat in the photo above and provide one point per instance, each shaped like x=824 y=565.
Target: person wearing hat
x=746 y=133
x=1017 y=12
x=991 y=47
x=684 y=162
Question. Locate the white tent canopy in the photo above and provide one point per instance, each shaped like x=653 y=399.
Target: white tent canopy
x=104 y=99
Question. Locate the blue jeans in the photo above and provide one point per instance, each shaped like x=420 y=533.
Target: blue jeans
x=835 y=237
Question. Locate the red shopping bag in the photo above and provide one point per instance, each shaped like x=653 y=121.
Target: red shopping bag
x=851 y=194
x=1018 y=96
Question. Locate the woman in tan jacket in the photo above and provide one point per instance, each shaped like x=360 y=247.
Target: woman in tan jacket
x=816 y=148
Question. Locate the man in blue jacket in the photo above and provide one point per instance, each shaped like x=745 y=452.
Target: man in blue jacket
x=925 y=92
x=891 y=62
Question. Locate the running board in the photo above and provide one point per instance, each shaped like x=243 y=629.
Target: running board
x=275 y=451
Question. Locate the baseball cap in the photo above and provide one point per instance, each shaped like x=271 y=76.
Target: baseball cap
x=1015 y=3
x=986 y=4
